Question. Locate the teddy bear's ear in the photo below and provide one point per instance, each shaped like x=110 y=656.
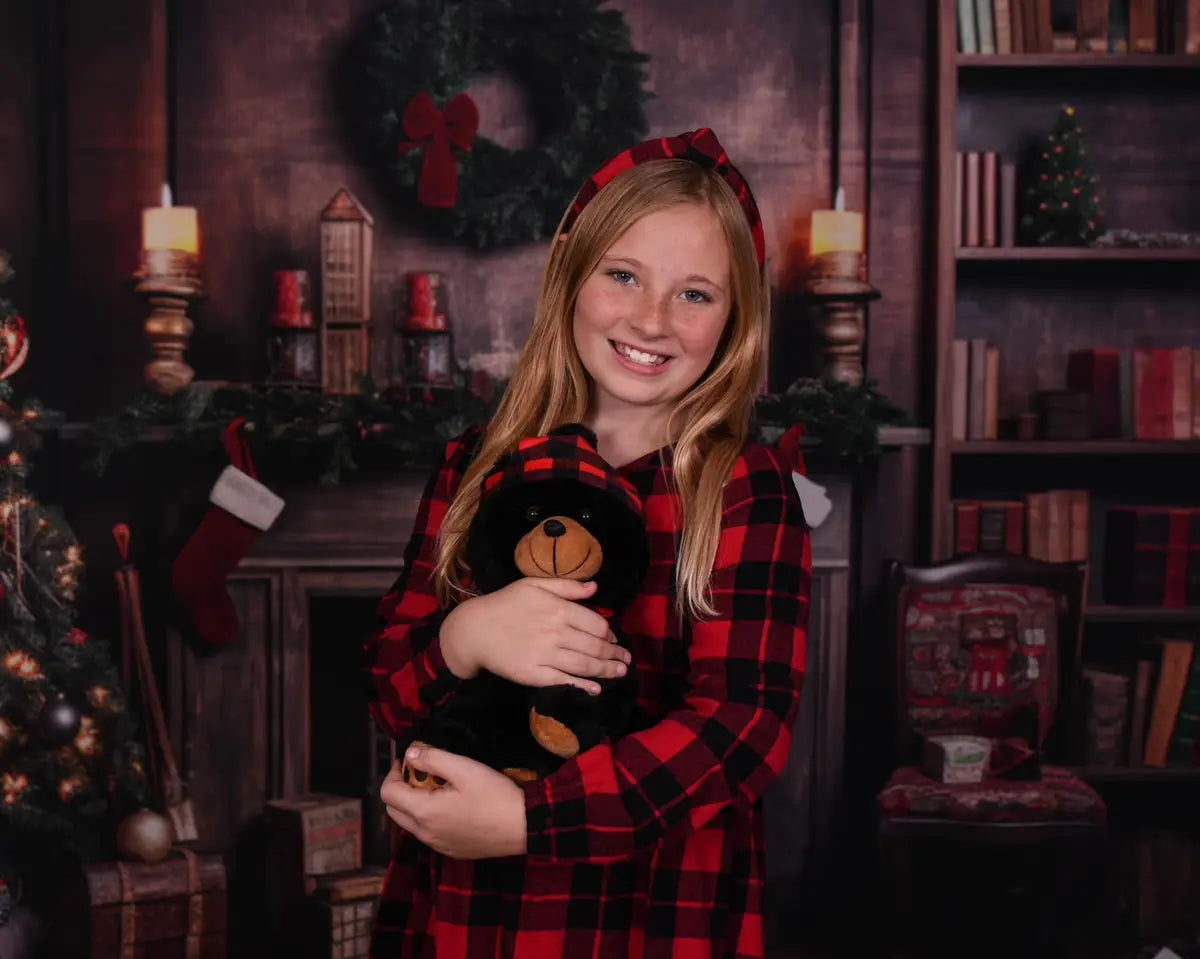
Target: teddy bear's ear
x=575 y=429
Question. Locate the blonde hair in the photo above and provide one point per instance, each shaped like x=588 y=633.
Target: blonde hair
x=550 y=387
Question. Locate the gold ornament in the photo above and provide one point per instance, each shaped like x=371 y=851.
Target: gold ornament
x=14 y=786
x=23 y=666
x=68 y=787
x=145 y=836
x=87 y=742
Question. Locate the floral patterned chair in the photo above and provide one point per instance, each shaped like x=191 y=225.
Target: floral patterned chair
x=988 y=645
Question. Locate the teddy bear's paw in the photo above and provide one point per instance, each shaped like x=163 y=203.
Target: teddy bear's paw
x=553 y=736
x=419 y=779
x=519 y=775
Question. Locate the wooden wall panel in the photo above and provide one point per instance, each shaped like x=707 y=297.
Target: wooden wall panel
x=116 y=142
x=18 y=148
x=897 y=228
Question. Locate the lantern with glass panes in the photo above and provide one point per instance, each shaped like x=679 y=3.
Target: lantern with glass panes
x=292 y=336
x=423 y=343
x=346 y=240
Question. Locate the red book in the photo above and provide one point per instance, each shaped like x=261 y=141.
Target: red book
x=1153 y=393
x=966 y=526
x=1097 y=373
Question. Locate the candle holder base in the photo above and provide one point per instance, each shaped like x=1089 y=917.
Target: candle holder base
x=843 y=323
x=168 y=328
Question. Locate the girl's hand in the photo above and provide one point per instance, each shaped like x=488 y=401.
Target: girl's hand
x=478 y=814
x=534 y=633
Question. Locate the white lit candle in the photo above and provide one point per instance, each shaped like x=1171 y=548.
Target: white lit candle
x=170 y=227
x=836 y=230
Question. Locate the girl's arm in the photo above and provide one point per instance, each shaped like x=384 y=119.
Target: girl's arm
x=732 y=737
x=406 y=671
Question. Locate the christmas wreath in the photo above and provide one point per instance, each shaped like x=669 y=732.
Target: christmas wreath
x=403 y=86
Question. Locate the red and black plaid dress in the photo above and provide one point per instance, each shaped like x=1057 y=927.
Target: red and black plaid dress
x=651 y=846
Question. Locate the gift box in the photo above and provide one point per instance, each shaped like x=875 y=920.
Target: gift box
x=130 y=910
x=343 y=913
x=955 y=759
x=310 y=835
x=316 y=833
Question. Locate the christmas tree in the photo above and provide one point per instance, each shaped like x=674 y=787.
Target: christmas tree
x=1061 y=201
x=69 y=765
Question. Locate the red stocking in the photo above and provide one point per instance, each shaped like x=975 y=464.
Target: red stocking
x=242 y=509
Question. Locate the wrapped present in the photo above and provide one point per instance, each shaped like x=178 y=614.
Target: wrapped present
x=955 y=759
x=343 y=909
x=310 y=835
x=130 y=910
x=316 y=833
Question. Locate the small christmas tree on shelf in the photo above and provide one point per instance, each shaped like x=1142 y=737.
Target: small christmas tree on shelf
x=69 y=765
x=1061 y=201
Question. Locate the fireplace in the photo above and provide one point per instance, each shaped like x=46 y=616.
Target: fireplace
x=283 y=710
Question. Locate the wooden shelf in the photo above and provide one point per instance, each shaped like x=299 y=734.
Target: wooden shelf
x=1075 y=447
x=1076 y=254
x=1138 y=774
x=1100 y=613
x=1078 y=61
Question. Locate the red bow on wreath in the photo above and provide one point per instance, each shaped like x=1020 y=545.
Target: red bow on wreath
x=438 y=130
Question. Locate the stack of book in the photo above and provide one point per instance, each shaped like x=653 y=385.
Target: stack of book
x=1152 y=556
x=1146 y=713
x=1050 y=525
x=1145 y=393
x=1089 y=26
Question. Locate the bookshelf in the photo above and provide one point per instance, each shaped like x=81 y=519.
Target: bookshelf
x=1022 y=90
x=1035 y=305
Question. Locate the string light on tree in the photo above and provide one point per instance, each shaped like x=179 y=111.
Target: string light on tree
x=72 y=766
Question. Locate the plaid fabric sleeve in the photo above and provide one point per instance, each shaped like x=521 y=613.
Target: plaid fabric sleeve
x=731 y=738
x=406 y=672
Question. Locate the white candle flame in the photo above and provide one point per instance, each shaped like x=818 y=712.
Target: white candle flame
x=839 y=202
x=166 y=194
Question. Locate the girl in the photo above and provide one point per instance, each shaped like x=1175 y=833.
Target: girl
x=649 y=330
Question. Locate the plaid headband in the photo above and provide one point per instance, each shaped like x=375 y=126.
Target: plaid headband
x=701 y=147
x=567 y=453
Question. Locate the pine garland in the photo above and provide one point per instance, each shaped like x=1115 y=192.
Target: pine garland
x=297 y=433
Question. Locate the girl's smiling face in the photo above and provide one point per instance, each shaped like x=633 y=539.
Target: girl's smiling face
x=649 y=318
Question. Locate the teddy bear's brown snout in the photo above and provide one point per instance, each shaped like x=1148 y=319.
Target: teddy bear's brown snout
x=559 y=546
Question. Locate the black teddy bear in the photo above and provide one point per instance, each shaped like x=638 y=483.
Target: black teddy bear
x=554 y=507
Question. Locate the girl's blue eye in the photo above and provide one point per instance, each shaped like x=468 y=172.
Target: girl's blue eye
x=621 y=276
x=697 y=296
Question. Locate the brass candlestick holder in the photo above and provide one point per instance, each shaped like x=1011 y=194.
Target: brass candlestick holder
x=168 y=279
x=837 y=284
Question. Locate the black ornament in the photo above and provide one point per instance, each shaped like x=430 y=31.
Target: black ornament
x=59 y=721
